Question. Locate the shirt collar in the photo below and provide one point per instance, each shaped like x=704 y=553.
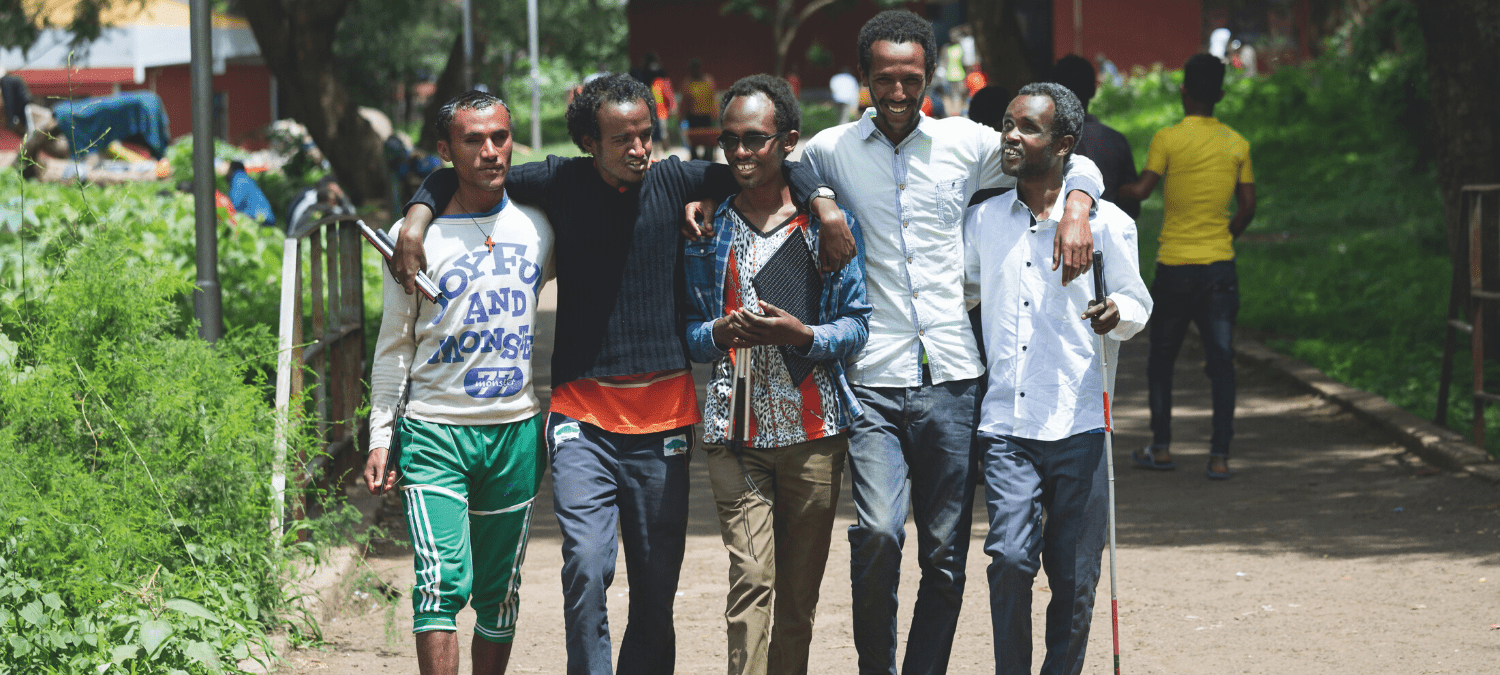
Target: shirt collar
x=504 y=199
x=866 y=125
x=1053 y=215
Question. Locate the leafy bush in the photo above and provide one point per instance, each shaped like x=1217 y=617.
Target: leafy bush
x=134 y=521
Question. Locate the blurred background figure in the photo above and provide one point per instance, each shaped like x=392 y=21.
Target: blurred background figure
x=1108 y=70
x=247 y=196
x=794 y=80
x=325 y=198
x=1107 y=147
x=952 y=59
x=654 y=75
x=700 y=112
x=987 y=107
x=845 y=91
x=1218 y=43
x=14 y=97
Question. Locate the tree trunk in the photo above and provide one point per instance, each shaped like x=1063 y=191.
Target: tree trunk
x=1002 y=51
x=449 y=84
x=296 y=40
x=1463 y=54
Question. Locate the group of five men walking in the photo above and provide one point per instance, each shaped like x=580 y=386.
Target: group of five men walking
x=831 y=297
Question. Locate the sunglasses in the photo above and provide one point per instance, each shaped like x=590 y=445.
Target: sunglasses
x=752 y=142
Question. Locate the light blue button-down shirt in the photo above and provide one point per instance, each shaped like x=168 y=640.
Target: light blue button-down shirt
x=910 y=199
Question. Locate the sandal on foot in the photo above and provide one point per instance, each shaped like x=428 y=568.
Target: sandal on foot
x=1216 y=475
x=1145 y=459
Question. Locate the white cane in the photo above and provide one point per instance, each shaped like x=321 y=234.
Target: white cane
x=1109 y=461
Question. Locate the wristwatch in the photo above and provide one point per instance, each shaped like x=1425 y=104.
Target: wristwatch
x=824 y=191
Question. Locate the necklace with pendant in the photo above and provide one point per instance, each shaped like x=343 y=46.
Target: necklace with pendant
x=488 y=241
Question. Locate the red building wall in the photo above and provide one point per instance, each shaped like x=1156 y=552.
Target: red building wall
x=735 y=45
x=1131 y=33
x=249 y=99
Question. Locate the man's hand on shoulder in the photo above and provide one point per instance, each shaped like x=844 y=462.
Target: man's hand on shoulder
x=698 y=219
x=410 y=256
x=835 y=242
x=1073 y=247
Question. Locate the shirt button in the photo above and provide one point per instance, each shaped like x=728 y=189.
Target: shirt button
x=914 y=294
x=908 y=260
x=1025 y=303
x=1028 y=264
x=906 y=223
x=1023 y=348
x=1023 y=394
x=903 y=186
x=921 y=332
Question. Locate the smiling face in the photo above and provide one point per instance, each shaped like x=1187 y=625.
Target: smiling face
x=752 y=116
x=897 y=79
x=623 y=150
x=1029 y=148
x=479 y=145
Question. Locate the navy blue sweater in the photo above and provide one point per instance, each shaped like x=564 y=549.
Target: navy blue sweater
x=620 y=289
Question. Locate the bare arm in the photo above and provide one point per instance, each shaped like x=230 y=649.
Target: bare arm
x=1144 y=186
x=410 y=256
x=1073 y=247
x=1244 y=194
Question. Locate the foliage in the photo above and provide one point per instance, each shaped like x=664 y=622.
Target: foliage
x=133 y=525
x=576 y=34
x=1345 y=265
x=22 y=22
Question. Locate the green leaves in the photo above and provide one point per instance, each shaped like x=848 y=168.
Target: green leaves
x=191 y=608
x=154 y=634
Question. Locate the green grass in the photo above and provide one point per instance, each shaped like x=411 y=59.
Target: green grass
x=1345 y=265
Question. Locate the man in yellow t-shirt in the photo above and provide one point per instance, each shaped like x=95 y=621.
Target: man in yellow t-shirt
x=1206 y=164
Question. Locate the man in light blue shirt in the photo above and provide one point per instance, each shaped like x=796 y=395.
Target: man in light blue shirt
x=908 y=178
x=1042 y=423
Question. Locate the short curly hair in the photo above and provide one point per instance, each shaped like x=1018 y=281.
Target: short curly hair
x=898 y=26
x=788 y=113
x=1067 y=112
x=583 y=112
x=472 y=99
x=1203 y=77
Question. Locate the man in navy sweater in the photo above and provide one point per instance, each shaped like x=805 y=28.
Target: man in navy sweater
x=623 y=399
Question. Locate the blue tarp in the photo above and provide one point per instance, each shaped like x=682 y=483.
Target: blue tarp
x=92 y=124
x=249 y=199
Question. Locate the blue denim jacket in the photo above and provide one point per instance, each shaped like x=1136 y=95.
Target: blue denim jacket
x=844 y=314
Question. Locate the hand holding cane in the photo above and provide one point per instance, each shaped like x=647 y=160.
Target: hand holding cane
x=1109 y=460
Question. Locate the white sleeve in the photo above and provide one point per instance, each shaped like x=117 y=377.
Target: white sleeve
x=1122 y=271
x=1083 y=174
x=971 y=258
x=394 y=351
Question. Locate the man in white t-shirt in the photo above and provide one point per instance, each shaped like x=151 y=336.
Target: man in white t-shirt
x=468 y=462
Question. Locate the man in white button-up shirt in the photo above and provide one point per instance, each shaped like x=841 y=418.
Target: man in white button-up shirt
x=908 y=179
x=1042 y=423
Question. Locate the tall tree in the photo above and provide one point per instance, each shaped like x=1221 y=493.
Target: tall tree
x=296 y=40
x=997 y=38
x=785 y=17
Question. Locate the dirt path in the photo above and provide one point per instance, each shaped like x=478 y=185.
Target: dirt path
x=1331 y=551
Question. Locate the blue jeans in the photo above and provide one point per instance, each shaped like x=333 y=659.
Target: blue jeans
x=640 y=482
x=1066 y=479
x=1207 y=295
x=913 y=445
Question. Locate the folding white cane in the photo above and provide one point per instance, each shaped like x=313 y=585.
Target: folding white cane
x=1109 y=461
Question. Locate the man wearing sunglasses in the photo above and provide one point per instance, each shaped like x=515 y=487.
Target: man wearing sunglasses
x=907 y=178
x=623 y=400
x=778 y=406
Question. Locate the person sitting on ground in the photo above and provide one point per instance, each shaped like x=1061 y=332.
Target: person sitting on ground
x=247 y=196
x=468 y=461
x=1205 y=164
x=776 y=444
x=312 y=203
x=1041 y=430
x=1108 y=148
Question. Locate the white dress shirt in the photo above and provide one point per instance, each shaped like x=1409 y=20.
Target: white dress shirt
x=1044 y=381
x=910 y=199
